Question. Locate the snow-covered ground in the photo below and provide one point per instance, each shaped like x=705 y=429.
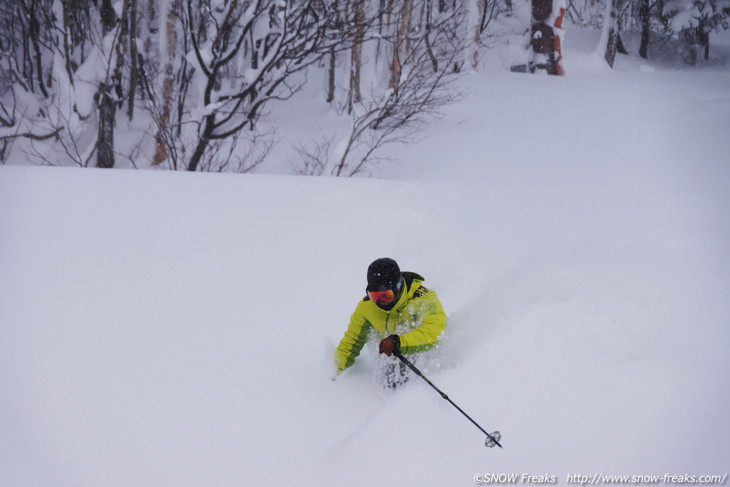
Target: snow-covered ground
x=161 y=329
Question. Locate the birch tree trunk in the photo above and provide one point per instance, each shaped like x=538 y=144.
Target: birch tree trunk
x=610 y=35
x=481 y=5
x=358 y=19
x=106 y=103
x=167 y=52
x=404 y=22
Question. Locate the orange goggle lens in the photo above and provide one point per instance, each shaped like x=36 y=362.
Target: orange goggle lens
x=382 y=297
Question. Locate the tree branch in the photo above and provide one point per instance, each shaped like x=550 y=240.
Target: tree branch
x=32 y=136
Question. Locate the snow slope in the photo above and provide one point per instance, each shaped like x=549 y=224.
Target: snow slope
x=177 y=329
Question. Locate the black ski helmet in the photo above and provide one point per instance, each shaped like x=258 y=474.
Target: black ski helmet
x=384 y=274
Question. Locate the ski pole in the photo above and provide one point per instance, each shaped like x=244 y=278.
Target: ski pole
x=492 y=438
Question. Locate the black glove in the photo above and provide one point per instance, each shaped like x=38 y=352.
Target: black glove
x=389 y=345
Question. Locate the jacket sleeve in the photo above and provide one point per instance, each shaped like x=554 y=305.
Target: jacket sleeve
x=351 y=344
x=427 y=335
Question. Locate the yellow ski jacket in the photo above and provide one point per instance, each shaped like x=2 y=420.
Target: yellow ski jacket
x=417 y=318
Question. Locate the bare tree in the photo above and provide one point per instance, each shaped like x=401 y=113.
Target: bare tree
x=245 y=151
x=27 y=83
x=248 y=54
x=69 y=62
x=420 y=87
x=11 y=129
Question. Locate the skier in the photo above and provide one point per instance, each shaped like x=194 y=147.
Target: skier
x=400 y=312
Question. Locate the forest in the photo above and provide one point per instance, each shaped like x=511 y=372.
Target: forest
x=187 y=84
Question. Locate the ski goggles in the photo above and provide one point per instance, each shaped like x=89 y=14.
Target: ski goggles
x=382 y=297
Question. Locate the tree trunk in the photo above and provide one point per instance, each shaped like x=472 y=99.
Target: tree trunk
x=398 y=48
x=481 y=6
x=704 y=38
x=133 y=72
x=105 y=140
x=331 y=76
x=645 y=14
x=67 y=22
x=381 y=19
x=168 y=80
x=35 y=32
x=202 y=144
x=358 y=19
x=106 y=104
x=620 y=47
x=152 y=27
x=609 y=37
x=610 y=54
x=427 y=34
